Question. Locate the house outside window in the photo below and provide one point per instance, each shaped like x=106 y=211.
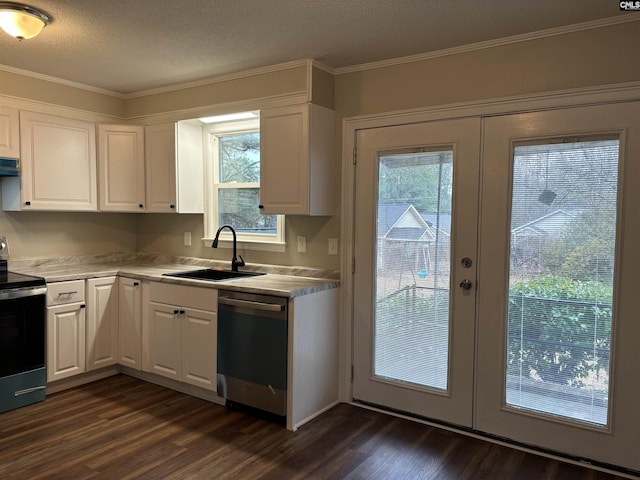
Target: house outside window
x=233 y=187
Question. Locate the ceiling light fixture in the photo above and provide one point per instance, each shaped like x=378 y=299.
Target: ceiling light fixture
x=22 y=21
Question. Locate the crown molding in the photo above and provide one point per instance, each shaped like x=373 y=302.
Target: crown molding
x=322 y=66
x=551 y=32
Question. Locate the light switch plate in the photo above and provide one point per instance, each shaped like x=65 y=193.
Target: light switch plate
x=302 y=244
x=187 y=239
x=333 y=246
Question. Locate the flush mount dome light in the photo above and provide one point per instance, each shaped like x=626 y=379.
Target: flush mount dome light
x=22 y=21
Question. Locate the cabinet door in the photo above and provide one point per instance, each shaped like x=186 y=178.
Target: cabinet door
x=165 y=340
x=199 y=349
x=58 y=163
x=121 y=166
x=174 y=159
x=297 y=161
x=9 y=136
x=130 y=323
x=284 y=160
x=102 y=323
x=160 y=159
x=65 y=341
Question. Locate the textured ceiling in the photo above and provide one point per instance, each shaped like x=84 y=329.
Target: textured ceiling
x=132 y=45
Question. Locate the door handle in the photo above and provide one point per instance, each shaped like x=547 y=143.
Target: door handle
x=466 y=284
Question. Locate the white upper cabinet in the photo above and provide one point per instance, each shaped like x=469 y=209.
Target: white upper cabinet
x=297 y=160
x=58 y=165
x=121 y=168
x=174 y=159
x=9 y=134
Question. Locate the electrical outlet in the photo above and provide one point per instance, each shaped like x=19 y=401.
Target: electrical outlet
x=4 y=249
x=302 y=244
x=333 y=246
x=187 y=239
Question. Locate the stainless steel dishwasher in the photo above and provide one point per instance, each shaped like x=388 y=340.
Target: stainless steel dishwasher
x=252 y=351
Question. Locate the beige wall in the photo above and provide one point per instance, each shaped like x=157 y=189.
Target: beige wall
x=39 y=90
x=165 y=233
x=281 y=81
x=52 y=234
x=582 y=59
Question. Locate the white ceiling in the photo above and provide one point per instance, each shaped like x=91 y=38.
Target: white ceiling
x=132 y=45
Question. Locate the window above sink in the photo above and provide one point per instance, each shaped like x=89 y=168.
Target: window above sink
x=232 y=186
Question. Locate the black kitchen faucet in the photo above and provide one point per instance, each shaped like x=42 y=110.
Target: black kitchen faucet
x=236 y=261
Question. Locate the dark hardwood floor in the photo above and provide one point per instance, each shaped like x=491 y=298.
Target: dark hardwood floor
x=124 y=428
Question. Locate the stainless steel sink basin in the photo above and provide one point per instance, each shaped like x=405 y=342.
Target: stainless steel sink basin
x=212 y=274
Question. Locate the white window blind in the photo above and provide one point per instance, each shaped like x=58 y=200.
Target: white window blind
x=563 y=235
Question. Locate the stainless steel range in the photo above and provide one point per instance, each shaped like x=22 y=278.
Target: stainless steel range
x=22 y=336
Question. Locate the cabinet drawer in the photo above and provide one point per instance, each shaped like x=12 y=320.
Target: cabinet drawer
x=201 y=298
x=59 y=293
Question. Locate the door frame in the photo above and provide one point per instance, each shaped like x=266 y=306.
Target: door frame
x=626 y=92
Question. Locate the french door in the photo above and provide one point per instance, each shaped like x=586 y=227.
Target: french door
x=493 y=284
x=416 y=219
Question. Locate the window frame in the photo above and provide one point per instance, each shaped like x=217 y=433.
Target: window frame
x=265 y=242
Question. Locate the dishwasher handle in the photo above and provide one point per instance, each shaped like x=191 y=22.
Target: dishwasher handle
x=272 y=307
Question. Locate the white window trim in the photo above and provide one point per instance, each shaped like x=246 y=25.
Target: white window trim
x=247 y=241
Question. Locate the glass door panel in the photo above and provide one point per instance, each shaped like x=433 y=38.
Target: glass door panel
x=412 y=267
x=563 y=236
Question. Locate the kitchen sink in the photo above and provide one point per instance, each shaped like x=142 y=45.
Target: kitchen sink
x=212 y=275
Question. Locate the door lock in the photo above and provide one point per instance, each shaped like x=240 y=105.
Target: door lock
x=466 y=284
x=466 y=262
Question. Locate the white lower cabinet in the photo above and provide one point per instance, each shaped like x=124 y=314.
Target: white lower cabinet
x=170 y=330
x=102 y=322
x=181 y=327
x=130 y=322
x=65 y=330
x=81 y=336
x=165 y=340
x=199 y=348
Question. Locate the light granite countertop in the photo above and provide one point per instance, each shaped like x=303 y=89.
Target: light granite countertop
x=278 y=280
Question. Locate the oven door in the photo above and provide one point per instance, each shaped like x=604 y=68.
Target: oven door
x=22 y=347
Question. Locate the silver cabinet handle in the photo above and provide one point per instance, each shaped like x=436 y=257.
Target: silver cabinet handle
x=68 y=294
